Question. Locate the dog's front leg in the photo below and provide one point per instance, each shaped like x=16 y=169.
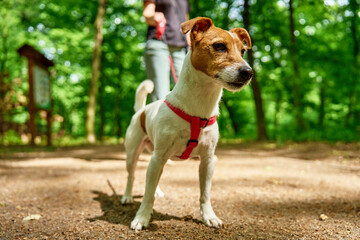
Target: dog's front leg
x=206 y=171
x=153 y=174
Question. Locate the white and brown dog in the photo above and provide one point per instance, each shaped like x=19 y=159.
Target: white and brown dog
x=184 y=125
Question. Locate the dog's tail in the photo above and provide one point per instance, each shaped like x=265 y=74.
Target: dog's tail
x=142 y=91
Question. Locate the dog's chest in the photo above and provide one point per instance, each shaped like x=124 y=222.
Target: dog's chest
x=206 y=141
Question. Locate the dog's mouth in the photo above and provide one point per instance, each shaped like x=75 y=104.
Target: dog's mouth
x=232 y=84
x=236 y=84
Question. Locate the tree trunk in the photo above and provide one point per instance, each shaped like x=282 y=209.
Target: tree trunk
x=296 y=81
x=276 y=113
x=322 y=105
x=4 y=88
x=278 y=90
x=117 y=129
x=101 y=110
x=353 y=91
x=260 y=116
x=98 y=38
x=117 y=108
x=231 y=115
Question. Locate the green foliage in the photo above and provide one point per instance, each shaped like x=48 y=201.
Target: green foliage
x=10 y=137
x=63 y=31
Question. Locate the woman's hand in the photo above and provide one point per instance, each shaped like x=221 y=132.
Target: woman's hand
x=152 y=18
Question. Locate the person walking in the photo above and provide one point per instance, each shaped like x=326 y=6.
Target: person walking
x=159 y=47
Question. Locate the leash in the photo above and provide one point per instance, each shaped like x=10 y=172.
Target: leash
x=172 y=69
x=196 y=124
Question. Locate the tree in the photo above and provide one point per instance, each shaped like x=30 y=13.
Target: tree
x=296 y=88
x=260 y=116
x=91 y=107
x=306 y=66
x=352 y=108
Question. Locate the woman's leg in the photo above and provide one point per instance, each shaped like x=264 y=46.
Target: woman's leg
x=158 y=67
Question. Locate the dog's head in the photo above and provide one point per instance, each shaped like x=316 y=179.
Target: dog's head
x=219 y=53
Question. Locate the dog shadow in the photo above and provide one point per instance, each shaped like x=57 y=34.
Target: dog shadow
x=117 y=213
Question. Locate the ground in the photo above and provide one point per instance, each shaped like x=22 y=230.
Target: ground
x=299 y=191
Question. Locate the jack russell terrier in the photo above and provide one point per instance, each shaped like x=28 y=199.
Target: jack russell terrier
x=184 y=125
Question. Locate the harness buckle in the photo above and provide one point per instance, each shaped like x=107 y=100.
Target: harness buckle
x=206 y=122
x=192 y=142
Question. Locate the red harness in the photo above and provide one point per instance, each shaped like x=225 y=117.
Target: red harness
x=196 y=124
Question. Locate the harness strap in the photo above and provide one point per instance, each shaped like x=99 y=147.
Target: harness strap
x=196 y=124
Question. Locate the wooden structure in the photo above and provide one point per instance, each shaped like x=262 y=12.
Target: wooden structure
x=39 y=88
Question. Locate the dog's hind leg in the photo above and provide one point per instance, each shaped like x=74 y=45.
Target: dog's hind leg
x=134 y=145
x=150 y=147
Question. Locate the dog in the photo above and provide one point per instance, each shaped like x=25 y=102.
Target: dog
x=184 y=124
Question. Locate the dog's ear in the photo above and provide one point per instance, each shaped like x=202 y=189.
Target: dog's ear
x=197 y=26
x=243 y=35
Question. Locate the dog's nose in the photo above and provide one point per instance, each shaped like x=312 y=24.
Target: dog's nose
x=245 y=74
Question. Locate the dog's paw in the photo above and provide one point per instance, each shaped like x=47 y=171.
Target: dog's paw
x=209 y=217
x=213 y=222
x=127 y=199
x=139 y=223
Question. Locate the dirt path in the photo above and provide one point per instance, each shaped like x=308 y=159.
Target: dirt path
x=258 y=193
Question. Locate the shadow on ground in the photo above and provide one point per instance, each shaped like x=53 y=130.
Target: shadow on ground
x=117 y=213
x=88 y=153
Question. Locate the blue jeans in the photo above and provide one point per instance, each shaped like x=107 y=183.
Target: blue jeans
x=158 y=65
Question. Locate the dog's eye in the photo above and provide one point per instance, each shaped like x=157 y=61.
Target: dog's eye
x=243 y=52
x=220 y=47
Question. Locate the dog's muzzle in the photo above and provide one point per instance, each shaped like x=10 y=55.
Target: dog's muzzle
x=245 y=74
x=236 y=76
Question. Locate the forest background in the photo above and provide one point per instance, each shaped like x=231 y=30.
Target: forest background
x=305 y=54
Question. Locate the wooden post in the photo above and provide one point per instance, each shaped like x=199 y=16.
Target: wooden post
x=49 y=124
x=39 y=89
x=31 y=106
